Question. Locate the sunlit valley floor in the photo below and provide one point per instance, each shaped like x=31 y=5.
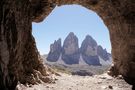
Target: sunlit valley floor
x=90 y=78
x=87 y=80
x=74 y=82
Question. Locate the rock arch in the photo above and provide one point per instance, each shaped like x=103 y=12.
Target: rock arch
x=19 y=58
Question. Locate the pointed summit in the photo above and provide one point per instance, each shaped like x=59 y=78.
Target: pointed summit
x=71 y=34
x=55 y=51
x=88 y=51
x=88 y=39
x=70 y=54
x=102 y=53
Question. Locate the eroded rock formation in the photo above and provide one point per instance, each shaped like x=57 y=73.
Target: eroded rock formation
x=70 y=51
x=18 y=54
x=102 y=53
x=89 y=51
x=55 y=51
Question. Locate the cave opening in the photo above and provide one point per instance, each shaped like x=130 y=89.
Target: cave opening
x=18 y=50
x=74 y=36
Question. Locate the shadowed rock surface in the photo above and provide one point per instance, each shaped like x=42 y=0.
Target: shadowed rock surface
x=70 y=51
x=55 y=51
x=88 y=51
x=19 y=56
x=102 y=53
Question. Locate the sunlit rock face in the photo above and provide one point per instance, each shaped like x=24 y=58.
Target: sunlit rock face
x=88 y=51
x=70 y=51
x=55 y=51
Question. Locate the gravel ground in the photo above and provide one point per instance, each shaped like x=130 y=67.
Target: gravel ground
x=70 y=82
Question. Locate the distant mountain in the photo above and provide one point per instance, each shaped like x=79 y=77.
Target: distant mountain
x=70 y=50
x=55 y=51
x=90 y=53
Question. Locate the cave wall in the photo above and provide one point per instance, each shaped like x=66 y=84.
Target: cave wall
x=19 y=58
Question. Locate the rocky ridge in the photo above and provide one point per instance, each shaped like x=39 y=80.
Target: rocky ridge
x=90 y=52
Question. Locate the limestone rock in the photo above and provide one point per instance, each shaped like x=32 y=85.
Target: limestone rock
x=70 y=52
x=55 y=51
x=103 y=53
x=89 y=51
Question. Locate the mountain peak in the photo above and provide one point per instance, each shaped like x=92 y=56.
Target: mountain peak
x=71 y=34
x=70 y=52
x=55 y=50
x=88 y=37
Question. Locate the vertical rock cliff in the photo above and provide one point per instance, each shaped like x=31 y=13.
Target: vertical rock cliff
x=55 y=51
x=103 y=53
x=70 y=52
x=88 y=51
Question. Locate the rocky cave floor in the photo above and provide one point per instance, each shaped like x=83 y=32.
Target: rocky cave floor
x=74 y=82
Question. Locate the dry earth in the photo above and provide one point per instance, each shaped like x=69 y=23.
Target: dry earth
x=70 y=82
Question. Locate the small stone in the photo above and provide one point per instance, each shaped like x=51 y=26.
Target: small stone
x=47 y=86
x=99 y=82
x=110 y=87
x=102 y=77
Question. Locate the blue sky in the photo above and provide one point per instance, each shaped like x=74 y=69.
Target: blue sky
x=71 y=18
